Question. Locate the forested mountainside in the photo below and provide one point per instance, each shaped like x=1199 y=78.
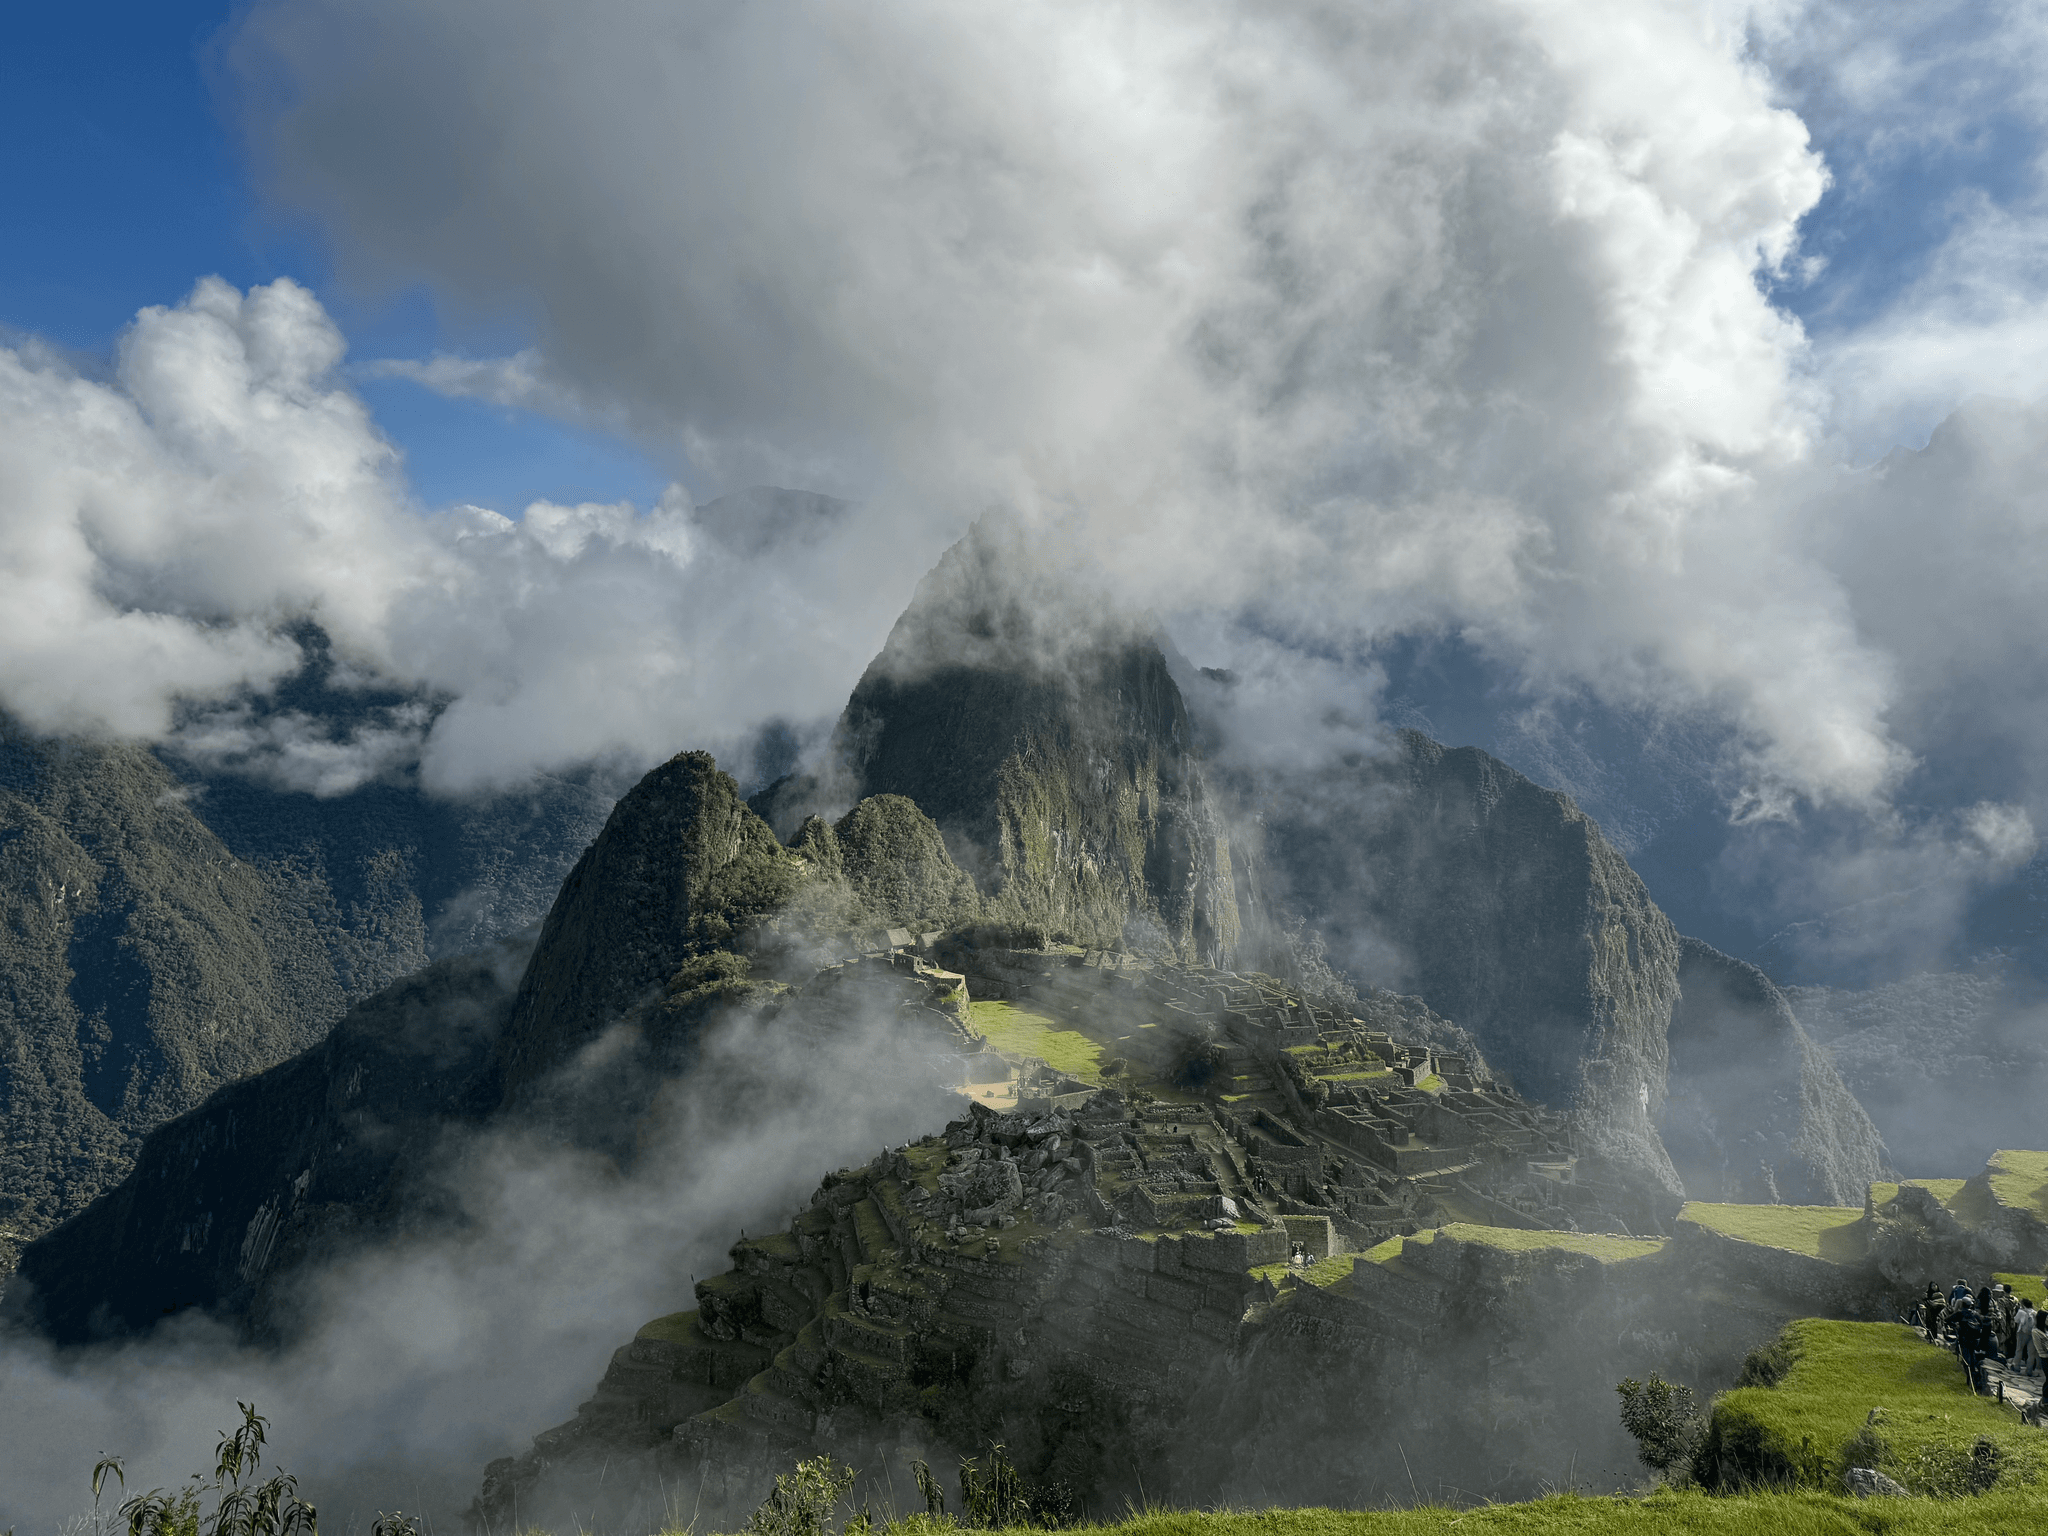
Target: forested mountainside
x=169 y=931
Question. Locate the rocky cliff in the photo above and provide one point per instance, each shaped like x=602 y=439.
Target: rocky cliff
x=1756 y=1110
x=685 y=907
x=1049 y=742
x=1443 y=872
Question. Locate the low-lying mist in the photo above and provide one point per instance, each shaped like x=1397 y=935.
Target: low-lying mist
x=422 y=1359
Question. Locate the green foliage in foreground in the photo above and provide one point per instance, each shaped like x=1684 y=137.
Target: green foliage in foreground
x=241 y=1505
x=1870 y=1394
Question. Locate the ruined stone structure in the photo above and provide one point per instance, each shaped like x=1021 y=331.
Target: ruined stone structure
x=1263 y=1197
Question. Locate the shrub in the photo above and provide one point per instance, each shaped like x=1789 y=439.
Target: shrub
x=1766 y=1365
x=1664 y=1418
x=992 y=1493
x=241 y=1506
x=802 y=1501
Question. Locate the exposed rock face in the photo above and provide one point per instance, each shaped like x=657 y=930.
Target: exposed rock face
x=1443 y=872
x=646 y=937
x=1050 y=745
x=304 y=1161
x=1756 y=1110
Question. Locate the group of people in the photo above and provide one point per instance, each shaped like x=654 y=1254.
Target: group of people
x=1994 y=1323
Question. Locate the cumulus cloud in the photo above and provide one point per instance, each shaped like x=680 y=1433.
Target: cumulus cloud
x=169 y=531
x=1342 y=322
x=1374 y=317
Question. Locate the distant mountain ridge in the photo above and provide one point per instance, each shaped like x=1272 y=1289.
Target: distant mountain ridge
x=1019 y=757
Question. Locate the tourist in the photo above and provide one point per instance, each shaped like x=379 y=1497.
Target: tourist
x=1929 y=1312
x=2041 y=1340
x=2023 y=1337
x=1960 y=1291
x=1973 y=1339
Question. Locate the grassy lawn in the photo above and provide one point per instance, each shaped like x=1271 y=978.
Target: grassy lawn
x=1819 y=1231
x=1020 y=1032
x=1840 y=1372
x=1595 y=1245
x=2020 y=1180
x=1379 y=1253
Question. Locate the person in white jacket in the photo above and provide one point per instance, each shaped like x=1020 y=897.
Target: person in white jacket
x=2023 y=1336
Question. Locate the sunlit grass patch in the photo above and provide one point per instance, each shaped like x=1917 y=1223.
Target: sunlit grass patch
x=1595 y=1245
x=1022 y=1032
x=1323 y=1272
x=1831 y=1232
x=1691 y=1513
x=2020 y=1180
x=1802 y=1428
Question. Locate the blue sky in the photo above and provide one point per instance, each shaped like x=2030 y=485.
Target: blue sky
x=125 y=184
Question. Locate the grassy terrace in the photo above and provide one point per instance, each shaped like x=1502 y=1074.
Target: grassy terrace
x=1021 y=1032
x=1594 y=1245
x=1323 y=1272
x=2020 y=1180
x=1840 y=1371
x=1831 y=1232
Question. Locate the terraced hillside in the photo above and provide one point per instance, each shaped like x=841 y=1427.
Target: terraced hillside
x=1181 y=1246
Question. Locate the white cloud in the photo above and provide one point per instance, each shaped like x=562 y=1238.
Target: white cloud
x=1359 y=320
x=164 y=529
x=1374 y=316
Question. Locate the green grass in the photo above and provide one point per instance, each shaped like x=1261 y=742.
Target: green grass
x=1840 y=1371
x=1021 y=1032
x=676 y=1328
x=2020 y=1180
x=2004 y=1512
x=1431 y=1084
x=1595 y=1245
x=1829 y=1232
x=1323 y=1272
x=1379 y=1253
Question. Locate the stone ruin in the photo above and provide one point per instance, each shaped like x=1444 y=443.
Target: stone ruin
x=1197 y=1274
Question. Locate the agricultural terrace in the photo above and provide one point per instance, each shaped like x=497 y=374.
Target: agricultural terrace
x=1832 y=1232
x=2020 y=1180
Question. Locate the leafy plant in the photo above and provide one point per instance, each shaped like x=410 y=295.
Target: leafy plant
x=1664 y=1418
x=241 y=1506
x=992 y=1494
x=928 y=1488
x=802 y=1501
